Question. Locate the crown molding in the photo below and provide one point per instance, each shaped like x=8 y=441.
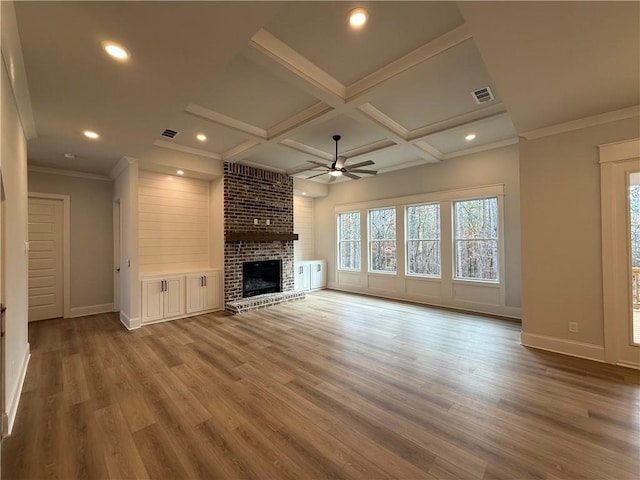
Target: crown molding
x=226 y=121
x=182 y=148
x=68 y=173
x=581 y=123
x=124 y=163
x=408 y=61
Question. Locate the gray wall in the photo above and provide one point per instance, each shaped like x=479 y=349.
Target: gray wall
x=562 y=237
x=485 y=168
x=91 y=234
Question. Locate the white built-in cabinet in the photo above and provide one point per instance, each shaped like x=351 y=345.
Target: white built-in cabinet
x=203 y=292
x=310 y=275
x=167 y=297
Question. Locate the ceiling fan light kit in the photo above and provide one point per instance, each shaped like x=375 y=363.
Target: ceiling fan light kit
x=338 y=168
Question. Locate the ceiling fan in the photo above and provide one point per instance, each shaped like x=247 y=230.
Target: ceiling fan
x=338 y=167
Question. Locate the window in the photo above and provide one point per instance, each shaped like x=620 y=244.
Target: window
x=349 y=241
x=476 y=239
x=423 y=239
x=382 y=240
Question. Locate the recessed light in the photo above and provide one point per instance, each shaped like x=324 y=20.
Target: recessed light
x=90 y=134
x=304 y=193
x=69 y=155
x=201 y=136
x=358 y=17
x=116 y=51
x=471 y=136
x=180 y=172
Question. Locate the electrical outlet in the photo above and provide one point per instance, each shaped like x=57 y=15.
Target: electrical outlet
x=573 y=327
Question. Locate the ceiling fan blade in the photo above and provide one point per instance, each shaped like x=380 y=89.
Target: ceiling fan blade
x=368 y=172
x=340 y=163
x=314 y=176
x=351 y=176
x=361 y=164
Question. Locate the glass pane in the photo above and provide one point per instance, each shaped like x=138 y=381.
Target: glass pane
x=349 y=226
x=423 y=257
x=634 y=223
x=383 y=256
x=476 y=218
x=423 y=222
x=383 y=224
x=350 y=255
x=477 y=259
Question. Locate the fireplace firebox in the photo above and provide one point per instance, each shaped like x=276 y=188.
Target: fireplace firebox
x=261 y=277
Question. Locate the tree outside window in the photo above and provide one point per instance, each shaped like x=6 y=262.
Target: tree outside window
x=349 y=241
x=382 y=240
x=423 y=239
x=476 y=239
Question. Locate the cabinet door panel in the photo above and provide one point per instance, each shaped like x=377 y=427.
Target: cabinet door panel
x=152 y=300
x=318 y=275
x=212 y=292
x=174 y=297
x=194 y=293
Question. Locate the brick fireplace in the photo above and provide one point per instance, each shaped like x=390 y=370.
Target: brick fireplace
x=258 y=224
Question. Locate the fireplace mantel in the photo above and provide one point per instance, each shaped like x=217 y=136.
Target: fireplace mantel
x=260 y=236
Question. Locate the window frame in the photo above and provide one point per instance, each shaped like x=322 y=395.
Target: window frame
x=498 y=242
x=394 y=240
x=340 y=241
x=407 y=240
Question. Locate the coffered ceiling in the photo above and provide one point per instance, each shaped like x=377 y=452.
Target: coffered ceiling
x=269 y=83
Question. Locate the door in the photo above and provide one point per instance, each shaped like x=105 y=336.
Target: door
x=620 y=179
x=45 y=258
x=116 y=255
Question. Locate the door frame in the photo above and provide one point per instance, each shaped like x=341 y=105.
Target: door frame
x=117 y=260
x=616 y=159
x=66 y=250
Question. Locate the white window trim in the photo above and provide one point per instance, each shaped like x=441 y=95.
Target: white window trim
x=339 y=240
x=369 y=240
x=407 y=240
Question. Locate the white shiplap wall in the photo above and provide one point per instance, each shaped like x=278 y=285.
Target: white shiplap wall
x=173 y=223
x=304 y=247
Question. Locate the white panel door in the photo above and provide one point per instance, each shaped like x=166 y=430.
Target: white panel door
x=45 y=258
x=174 y=297
x=302 y=276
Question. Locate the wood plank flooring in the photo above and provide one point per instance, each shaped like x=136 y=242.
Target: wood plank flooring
x=334 y=386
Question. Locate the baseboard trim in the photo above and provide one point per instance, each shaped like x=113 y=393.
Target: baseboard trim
x=512 y=313
x=563 y=346
x=129 y=323
x=90 y=310
x=14 y=398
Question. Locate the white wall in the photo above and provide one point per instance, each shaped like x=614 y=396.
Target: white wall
x=561 y=238
x=499 y=166
x=91 y=237
x=173 y=229
x=13 y=164
x=304 y=247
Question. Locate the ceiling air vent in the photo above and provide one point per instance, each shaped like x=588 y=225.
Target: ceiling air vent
x=483 y=95
x=169 y=133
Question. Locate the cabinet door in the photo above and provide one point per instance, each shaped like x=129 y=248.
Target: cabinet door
x=212 y=291
x=318 y=275
x=195 y=293
x=174 y=297
x=152 y=300
x=301 y=277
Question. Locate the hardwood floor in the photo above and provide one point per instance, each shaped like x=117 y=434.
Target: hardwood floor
x=334 y=386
